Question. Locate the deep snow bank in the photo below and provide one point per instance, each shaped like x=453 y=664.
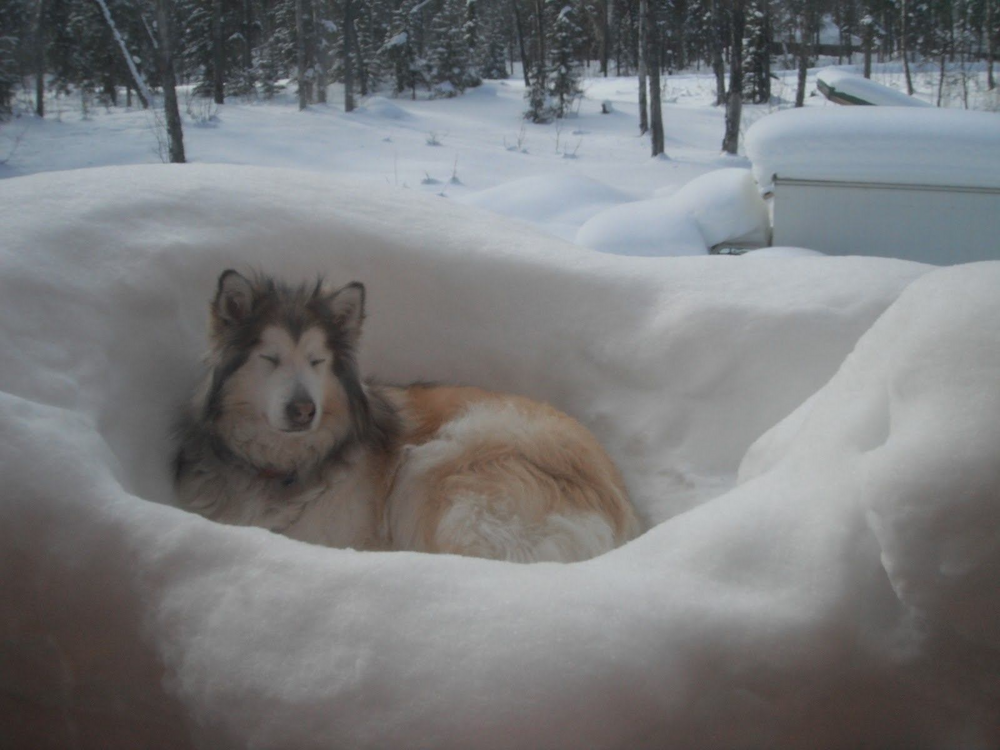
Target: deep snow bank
x=900 y=145
x=836 y=595
x=721 y=205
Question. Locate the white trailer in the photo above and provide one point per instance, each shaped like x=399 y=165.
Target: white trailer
x=920 y=184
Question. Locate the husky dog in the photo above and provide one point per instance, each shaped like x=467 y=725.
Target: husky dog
x=284 y=434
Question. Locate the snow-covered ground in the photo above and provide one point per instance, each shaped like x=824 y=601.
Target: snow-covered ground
x=811 y=441
x=474 y=149
x=814 y=442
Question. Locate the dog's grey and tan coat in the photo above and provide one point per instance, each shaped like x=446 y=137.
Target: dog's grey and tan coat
x=284 y=434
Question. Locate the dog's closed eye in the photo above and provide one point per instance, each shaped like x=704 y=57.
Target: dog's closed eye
x=273 y=360
x=316 y=362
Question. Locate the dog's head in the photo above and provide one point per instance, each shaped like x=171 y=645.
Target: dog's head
x=284 y=385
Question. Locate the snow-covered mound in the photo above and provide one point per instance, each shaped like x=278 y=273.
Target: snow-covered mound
x=877 y=144
x=547 y=198
x=713 y=208
x=845 y=87
x=842 y=592
x=380 y=107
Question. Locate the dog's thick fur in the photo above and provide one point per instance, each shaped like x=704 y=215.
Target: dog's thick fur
x=285 y=435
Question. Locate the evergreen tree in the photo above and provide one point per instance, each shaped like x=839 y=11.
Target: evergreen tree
x=564 y=78
x=494 y=31
x=757 y=52
x=275 y=58
x=450 y=67
x=401 y=51
x=13 y=29
x=372 y=26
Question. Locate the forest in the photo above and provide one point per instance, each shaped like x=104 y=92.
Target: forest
x=109 y=50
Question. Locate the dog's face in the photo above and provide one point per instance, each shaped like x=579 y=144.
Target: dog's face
x=285 y=387
x=287 y=381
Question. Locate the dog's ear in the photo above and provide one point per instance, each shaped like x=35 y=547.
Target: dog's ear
x=347 y=305
x=234 y=298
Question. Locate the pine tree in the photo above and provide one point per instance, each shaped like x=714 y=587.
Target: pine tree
x=489 y=56
x=401 y=51
x=564 y=76
x=450 y=62
x=757 y=51
x=13 y=22
x=275 y=59
x=372 y=26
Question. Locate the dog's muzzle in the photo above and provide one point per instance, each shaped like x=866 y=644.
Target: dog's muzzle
x=299 y=414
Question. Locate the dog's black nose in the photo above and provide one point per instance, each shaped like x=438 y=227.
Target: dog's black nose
x=300 y=412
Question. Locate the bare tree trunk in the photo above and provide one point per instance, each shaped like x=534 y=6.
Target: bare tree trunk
x=866 y=43
x=175 y=135
x=300 y=52
x=734 y=102
x=519 y=26
x=605 y=11
x=247 y=34
x=540 y=18
x=322 y=81
x=963 y=54
x=990 y=44
x=903 y=47
x=655 y=107
x=348 y=62
x=39 y=59
x=805 y=48
x=218 y=54
x=717 y=65
x=643 y=110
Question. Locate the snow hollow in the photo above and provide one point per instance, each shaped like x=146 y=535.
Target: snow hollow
x=812 y=443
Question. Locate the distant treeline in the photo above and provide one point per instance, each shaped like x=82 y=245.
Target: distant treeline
x=110 y=48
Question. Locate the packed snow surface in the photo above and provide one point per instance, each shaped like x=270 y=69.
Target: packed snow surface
x=877 y=144
x=718 y=206
x=814 y=442
x=867 y=90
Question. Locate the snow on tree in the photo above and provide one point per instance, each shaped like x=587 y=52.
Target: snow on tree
x=564 y=78
x=555 y=84
x=757 y=40
x=493 y=32
x=450 y=66
x=401 y=51
x=13 y=19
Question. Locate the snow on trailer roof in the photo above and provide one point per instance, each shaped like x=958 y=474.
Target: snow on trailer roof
x=894 y=145
x=842 y=87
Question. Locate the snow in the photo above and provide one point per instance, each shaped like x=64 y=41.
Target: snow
x=481 y=143
x=380 y=107
x=481 y=137
x=813 y=440
x=719 y=206
x=552 y=200
x=859 y=87
x=877 y=144
x=781 y=251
